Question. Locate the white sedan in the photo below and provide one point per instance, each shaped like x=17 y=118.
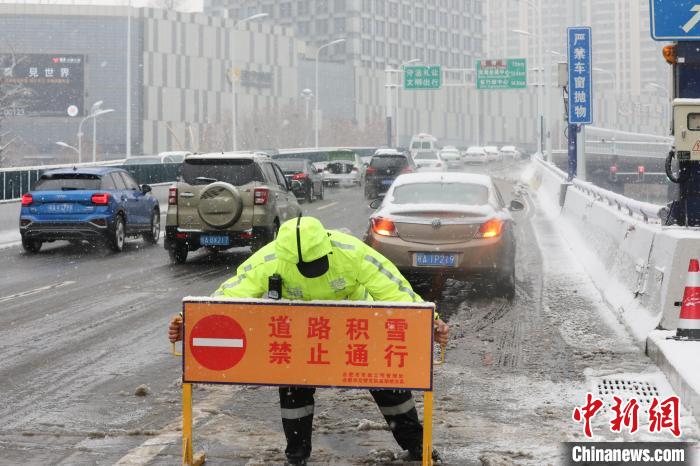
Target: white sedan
x=450 y=155
x=475 y=154
x=430 y=161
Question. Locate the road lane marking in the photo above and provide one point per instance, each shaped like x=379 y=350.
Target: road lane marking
x=171 y=434
x=218 y=342
x=35 y=291
x=327 y=206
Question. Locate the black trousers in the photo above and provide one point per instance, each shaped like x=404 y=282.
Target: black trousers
x=397 y=407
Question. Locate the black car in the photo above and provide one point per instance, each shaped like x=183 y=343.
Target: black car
x=386 y=165
x=305 y=179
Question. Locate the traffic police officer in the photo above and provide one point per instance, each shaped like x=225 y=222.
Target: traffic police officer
x=317 y=264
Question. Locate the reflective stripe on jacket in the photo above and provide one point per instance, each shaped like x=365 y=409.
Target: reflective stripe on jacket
x=356 y=272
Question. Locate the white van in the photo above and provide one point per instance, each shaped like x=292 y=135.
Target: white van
x=423 y=143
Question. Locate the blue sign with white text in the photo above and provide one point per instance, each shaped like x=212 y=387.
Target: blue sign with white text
x=675 y=19
x=580 y=76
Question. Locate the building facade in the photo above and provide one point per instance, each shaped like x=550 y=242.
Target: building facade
x=180 y=79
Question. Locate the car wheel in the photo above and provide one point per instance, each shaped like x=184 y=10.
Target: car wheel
x=505 y=285
x=264 y=237
x=178 y=253
x=31 y=245
x=320 y=194
x=153 y=234
x=117 y=235
x=310 y=194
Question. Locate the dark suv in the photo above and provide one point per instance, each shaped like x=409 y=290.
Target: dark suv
x=386 y=165
x=226 y=200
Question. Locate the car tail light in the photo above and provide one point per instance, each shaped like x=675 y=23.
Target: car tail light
x=355 y=169
x=370 y=171
x=407 y=170
x=100 y=199
x=27 y=199
x=438 y=164
x=299 y=176
x=490 y=229
x=260 y=195
x=172 y=195
x=181 y=235
x=641 y=169
x=383 y=226
x=613 y=170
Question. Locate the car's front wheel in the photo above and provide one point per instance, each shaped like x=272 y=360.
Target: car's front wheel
x=178 y=253
x=263 y=236
x=153 y=233
x=31 y=245
x=117 y=235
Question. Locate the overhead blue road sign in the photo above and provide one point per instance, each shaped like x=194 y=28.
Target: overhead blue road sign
x=580 y=76
x=675 y=19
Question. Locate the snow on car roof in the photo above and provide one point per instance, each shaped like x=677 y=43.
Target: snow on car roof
x=388 y=152
x=227 y=155
x=508 y=148
x=449 y=177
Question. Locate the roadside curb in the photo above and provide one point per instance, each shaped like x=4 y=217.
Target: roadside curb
x=678 y=361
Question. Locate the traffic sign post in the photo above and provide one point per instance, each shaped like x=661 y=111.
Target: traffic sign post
x=319 y=344
x=510 y=73
x=580 y=94
x=675 y=20
x=422 y=77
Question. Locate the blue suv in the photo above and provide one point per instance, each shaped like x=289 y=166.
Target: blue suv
x=94 y=204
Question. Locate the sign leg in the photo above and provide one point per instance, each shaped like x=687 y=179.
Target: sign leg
x=427 y=428
x=187 y=424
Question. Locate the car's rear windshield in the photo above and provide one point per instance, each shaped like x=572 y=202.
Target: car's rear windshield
x=291 y=165
x=68 y=182
x=205 y=171
x=441 y=193
x=388 y=161
x=426 y=156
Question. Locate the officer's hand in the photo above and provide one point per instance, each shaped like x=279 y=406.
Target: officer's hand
x=442 y=332
x=175 y=329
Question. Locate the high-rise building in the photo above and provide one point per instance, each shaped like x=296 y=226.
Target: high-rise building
x=630 y=77
x=377 y=32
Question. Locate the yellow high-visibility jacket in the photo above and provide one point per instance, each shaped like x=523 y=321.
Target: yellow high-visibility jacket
x=356 y=271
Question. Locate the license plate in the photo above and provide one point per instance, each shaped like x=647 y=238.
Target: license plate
x=60 y=208
x=213 y=240
x=387 y=182
x=432 y=259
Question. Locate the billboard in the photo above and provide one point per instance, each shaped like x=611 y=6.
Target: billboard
x=41 y=85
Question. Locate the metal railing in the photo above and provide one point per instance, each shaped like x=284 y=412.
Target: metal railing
x=603 y=141
x=19 y=180
x=646 y=211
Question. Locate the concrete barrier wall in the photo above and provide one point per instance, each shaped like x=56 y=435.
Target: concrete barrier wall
x=640 y=268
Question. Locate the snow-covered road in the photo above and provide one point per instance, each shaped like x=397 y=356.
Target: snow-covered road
x=81 y=331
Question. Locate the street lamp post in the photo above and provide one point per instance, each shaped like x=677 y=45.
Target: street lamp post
x=307 y=95
x=542 y=122
x=232 y=78
x=398 y=90
x=94 y=131
x=665 y=91
x=318 y=94
x=68 y=146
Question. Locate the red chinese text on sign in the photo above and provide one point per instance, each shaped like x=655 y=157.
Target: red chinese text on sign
x=666 y=417
x=626 y=416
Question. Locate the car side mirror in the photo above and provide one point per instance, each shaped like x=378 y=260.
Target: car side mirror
x=146 y=188
x=516 y=206
x=375 y=204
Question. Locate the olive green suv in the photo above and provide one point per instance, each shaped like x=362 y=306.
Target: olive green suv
x=226 y=200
